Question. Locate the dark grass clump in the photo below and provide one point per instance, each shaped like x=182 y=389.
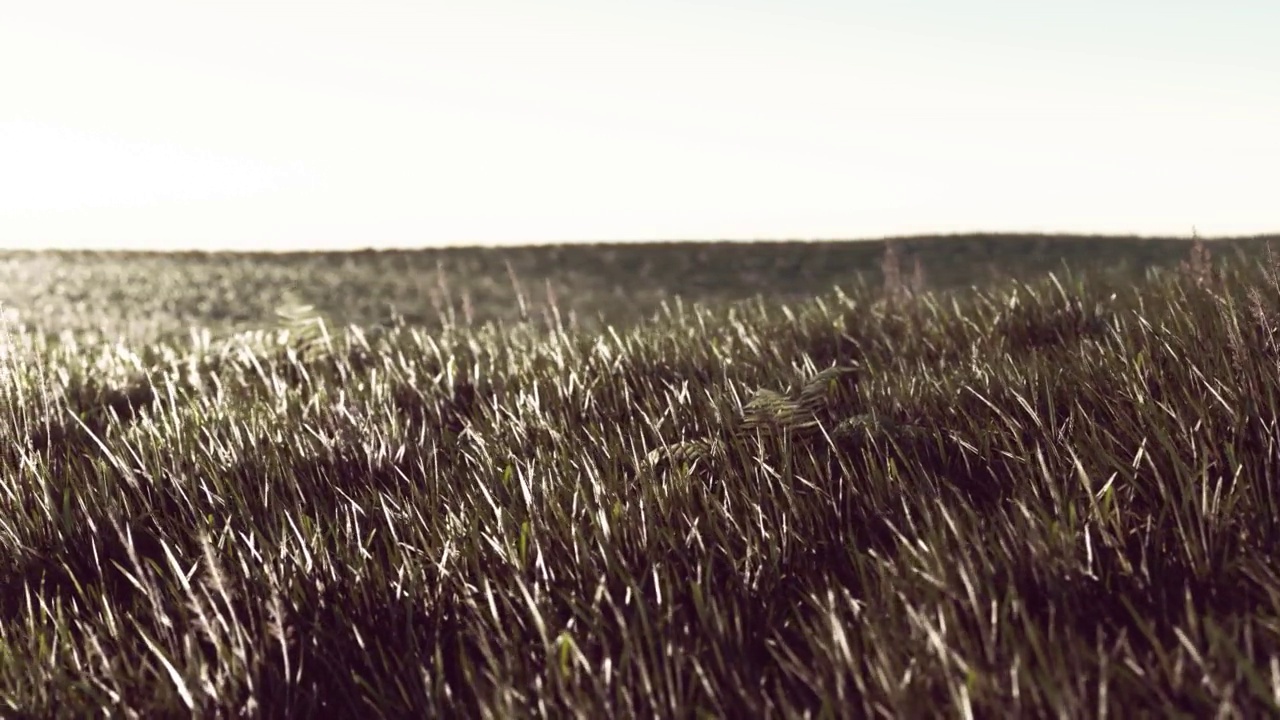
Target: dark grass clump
x=1053 y=497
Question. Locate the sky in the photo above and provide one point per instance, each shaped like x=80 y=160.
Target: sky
x=268 y=125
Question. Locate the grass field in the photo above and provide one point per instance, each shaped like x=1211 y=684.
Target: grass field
x=535 y=483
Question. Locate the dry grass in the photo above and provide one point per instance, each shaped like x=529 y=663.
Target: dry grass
x=1051 y=498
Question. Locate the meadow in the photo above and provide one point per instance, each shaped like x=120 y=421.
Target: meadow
x=973 y=476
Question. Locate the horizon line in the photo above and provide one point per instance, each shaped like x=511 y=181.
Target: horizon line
x=473 y=245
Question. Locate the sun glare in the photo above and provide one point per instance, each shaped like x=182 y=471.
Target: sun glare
x=152 y=125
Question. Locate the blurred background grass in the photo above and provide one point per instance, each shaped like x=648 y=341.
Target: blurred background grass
x=144 y=297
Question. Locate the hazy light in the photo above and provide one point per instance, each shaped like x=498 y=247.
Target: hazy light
x=277 y=125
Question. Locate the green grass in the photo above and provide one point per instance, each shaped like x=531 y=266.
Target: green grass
x=1055 y=496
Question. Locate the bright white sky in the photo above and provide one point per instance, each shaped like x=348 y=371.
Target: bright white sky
x=279 y=125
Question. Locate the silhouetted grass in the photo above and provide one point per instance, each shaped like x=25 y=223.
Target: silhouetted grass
x=1050 y=496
